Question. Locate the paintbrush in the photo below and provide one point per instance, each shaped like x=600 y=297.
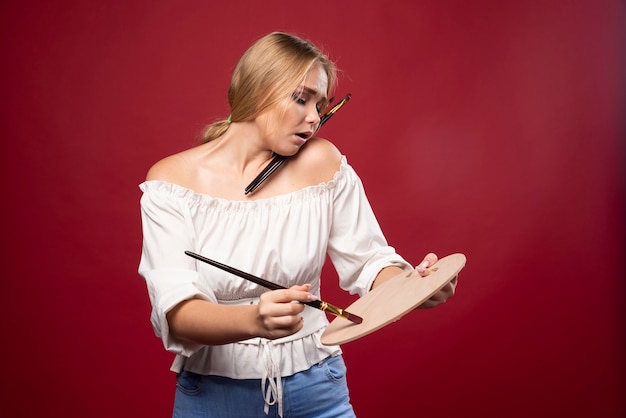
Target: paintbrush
x=318 y=304
x=278 y=160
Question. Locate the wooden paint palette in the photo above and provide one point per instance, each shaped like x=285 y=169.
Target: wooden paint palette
x=392 y=300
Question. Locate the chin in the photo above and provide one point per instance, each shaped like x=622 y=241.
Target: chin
x=288 y=152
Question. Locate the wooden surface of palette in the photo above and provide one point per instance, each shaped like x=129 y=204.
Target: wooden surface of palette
x=392 y=300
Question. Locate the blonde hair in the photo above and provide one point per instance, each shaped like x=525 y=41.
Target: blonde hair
x=268 y=72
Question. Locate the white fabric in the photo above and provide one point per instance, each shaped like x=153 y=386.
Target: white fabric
x=272 y=384
x=283 y=239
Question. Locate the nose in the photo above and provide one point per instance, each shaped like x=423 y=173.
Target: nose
x=312 y=116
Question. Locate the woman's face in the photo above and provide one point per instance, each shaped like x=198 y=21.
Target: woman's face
x=288 y=125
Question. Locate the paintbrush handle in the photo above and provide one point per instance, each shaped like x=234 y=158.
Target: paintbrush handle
x=278 y=160
x=318 y=304
x=236 y=272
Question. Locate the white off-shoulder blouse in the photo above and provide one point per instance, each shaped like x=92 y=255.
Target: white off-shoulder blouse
x=283 y=239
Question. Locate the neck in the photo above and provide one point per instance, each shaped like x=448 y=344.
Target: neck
x=242 y=147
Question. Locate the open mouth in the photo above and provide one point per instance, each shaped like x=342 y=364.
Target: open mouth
x=304 y=136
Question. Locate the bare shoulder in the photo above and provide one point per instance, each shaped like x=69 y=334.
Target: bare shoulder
x=172 y=169
x=319 y=158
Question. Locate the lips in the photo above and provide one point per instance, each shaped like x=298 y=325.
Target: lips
x=304 y=135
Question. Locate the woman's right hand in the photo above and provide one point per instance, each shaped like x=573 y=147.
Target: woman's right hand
x=277 y=314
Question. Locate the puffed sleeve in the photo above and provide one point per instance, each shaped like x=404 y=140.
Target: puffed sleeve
x=170 y=275
x=357 y=247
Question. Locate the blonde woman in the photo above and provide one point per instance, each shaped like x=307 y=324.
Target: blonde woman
x=243 y=351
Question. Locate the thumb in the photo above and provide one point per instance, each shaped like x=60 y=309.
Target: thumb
x=429 y=261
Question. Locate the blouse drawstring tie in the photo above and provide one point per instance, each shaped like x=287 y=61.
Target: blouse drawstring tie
x=271 y=383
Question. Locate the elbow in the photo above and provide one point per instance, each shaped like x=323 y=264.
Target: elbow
x=177 y=321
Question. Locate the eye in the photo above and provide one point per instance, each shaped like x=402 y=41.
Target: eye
x=298 y=99
x=302 y=100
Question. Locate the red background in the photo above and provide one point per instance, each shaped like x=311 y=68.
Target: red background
x=492 y=128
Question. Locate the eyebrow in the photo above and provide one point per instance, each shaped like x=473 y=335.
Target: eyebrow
x=314 y=93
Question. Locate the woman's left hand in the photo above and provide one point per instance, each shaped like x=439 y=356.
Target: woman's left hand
x=442 y=295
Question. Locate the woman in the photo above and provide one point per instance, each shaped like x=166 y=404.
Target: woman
x=242 y=350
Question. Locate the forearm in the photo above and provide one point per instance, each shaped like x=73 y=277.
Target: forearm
x=209 y=323
x=386 y=274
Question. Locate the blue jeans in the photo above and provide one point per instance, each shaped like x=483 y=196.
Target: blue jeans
x=319 y=392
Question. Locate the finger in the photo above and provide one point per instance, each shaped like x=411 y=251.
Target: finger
x=435 y=300
x=443 y=294
x=300 y=293
x=295 y=293
x=454 y=282
x=278 y=303
x=274 y=309
x=429 y=260
x=303 y=287
x=428 y=304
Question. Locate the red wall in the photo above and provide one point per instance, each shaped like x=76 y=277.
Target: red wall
x=492 y=128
